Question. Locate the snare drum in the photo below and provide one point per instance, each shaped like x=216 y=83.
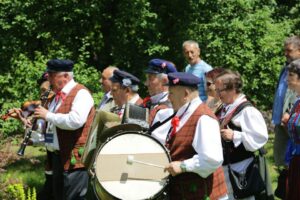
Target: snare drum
x=117 y=177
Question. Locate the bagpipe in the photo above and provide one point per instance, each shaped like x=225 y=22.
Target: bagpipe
x=36 y=124
x=27 y=109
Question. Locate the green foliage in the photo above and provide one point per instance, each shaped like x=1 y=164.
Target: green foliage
x=133 y=28
x=250 y=43
x=17 y=192
x=244 y=35
x=20 y=84
x=240 y=35
x=26 y=171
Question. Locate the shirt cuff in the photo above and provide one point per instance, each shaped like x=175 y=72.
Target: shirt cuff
x=50 y=117
x=193 y=165
x=237 y=138
x=190 y=165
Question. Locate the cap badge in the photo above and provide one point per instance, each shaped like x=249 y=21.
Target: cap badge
x=126 y=82
x=163 y=65
x=175 y=81
x=46 y=75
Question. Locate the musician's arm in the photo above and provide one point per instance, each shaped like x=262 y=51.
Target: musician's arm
x=207 y=144
x=76 y=118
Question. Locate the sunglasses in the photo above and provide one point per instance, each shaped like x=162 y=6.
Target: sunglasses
x=209 y=83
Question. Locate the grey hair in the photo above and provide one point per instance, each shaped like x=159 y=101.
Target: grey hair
x=231 y=80
x=70 y=74
x=161 y=76
x=293 y=40
x=190 y=42
x=133 y=88
x=295 y=67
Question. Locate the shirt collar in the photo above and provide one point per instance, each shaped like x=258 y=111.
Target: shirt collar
x=134 y=99
x=297 y=99
x=229 y=107
x=108 y=95
x=194 y=103
x=69 y=86
x=200 y=61
x=161 y=97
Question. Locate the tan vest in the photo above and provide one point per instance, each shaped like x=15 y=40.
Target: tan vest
x=70 y=141
x=190 y=185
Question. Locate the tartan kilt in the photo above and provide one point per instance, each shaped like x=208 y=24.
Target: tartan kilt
x=293 y=186
x=191 y=186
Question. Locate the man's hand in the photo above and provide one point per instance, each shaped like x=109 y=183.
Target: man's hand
x=285 y=118
x=227 y=134
x=40 y=112
x=17 y=114
x=174 y=168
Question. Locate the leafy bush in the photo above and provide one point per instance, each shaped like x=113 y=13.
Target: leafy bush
x=241 y=35
x=17 y=192
x=19 y=85
x=244 y=35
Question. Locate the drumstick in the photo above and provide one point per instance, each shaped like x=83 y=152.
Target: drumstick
x=130 y=160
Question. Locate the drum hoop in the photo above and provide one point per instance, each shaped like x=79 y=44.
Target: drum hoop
x=99 y=146
x=137 y=133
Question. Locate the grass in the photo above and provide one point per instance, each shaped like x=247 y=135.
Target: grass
x=270 y=158
x=27 y=170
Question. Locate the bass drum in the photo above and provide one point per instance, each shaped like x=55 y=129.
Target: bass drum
x=130 y=166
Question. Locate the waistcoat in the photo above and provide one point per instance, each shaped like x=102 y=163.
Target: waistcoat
x=70 y=141
x=190 y=185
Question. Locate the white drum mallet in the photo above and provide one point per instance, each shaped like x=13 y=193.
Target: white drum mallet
x=131 y=160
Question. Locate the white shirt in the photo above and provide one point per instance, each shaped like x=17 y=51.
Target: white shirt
x=76 y=118
x=254 y=134
x=133 y=100
x=162 y=114
x=206 y=142
x=107 y=97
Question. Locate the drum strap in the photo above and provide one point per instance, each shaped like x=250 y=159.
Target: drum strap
x=159 y=123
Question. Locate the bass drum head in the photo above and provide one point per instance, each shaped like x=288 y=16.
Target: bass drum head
x=117 y=179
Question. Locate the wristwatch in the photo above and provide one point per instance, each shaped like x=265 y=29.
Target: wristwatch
x=183 y=167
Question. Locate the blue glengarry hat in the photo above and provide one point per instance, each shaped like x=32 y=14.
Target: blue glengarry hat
x=125 y=79
x=183 y=79
x=57 y=65
x=158 y=66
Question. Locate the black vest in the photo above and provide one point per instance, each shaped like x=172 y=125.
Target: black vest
x=239 y=153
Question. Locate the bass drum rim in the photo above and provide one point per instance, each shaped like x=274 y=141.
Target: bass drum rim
x=105 y=195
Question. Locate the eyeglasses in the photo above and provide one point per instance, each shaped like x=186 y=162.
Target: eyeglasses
x=220 y=90
x=208 y=83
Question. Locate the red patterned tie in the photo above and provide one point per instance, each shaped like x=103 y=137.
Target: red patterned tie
x=60 y=95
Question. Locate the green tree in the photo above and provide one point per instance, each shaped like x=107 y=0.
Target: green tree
x=244 y=35
x=240 y=35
